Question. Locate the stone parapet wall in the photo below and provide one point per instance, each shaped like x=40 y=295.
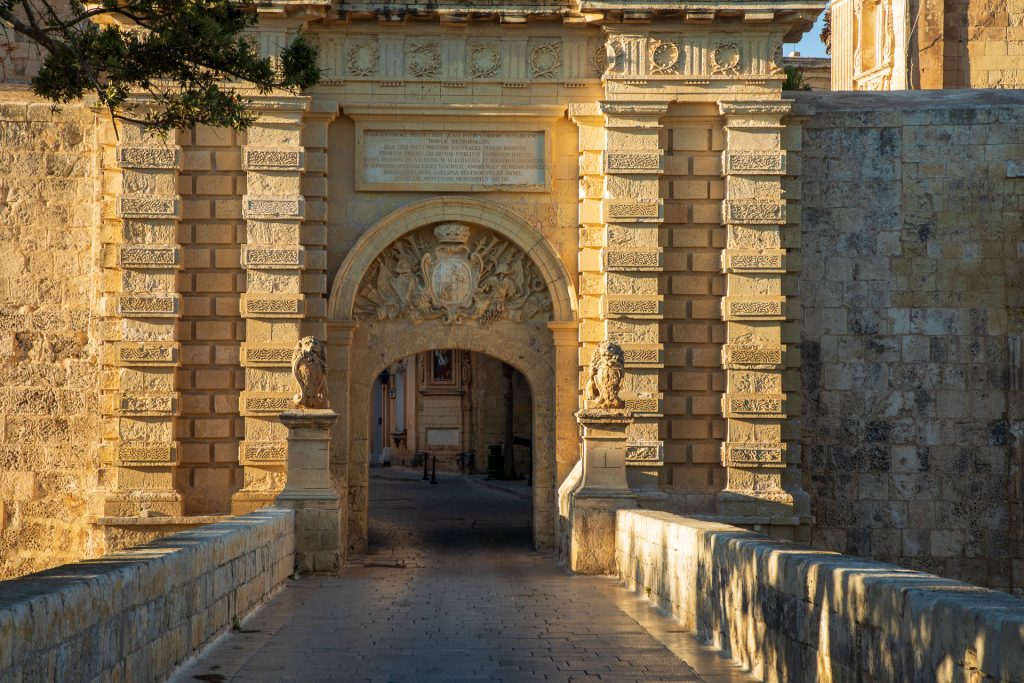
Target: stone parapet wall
x=137 y=614
x=790 y=613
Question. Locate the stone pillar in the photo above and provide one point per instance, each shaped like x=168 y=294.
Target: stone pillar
x=339 y=344
x=141 y=258
x=275 y=305
x=621 y=216
x=309 y=491
x=761 y=403
x=567 y=397
x=603 y=490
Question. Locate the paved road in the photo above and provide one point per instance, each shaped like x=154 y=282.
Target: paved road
x=451 y=591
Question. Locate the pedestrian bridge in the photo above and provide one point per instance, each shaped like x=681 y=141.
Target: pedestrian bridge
x=451 y=590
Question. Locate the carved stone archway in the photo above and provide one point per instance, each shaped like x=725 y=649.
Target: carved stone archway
x=463 y=274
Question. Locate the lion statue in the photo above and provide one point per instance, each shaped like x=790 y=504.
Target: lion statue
x=607 y=366
x=309 y=367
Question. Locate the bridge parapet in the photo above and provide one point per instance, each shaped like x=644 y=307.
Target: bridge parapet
x=139 y=613
x=792 y=613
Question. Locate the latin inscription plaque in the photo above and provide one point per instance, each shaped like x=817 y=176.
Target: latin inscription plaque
x=456 y=160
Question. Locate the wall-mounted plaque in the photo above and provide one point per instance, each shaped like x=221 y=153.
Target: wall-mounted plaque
x=475 y=161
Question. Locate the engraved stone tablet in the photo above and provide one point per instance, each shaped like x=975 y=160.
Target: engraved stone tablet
x=454 y=160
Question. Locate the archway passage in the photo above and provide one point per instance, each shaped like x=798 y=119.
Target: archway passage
x=441 y=421
x=453 y=410
x=462 y=275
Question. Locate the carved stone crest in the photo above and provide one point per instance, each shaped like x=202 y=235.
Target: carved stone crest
x=484 y=60
x=309 y=367
x=725 y=60
x=607 y=366
x=458 y=276
x=423 y=58
x=362 y=58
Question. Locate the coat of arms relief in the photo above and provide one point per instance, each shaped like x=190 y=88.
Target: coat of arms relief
x=455 y=274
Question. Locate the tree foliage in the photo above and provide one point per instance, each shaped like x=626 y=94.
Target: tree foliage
x=189 y=58
x=794 y=79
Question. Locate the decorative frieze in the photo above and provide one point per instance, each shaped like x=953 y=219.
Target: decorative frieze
x=143 y=257
x=633 y=307
x=752 y=357
x=142 y=405
x=141 y=454
x=148 y=206
x=273 y=258
x=754 y=406
x=272 y=305
x=760 y=308
x=274 y=208
x=754 y=454
x=644 y=406
x=633 y=210
x=639 y=357
x=136 y=157
x=143 y=306
x=734 y=261
x=634 y=162
x=645 y=453
x=266 y=355
x=255 y=159
x=264 y=403
x=644 y=261
x=753 y=163
x=262 y=452
x=153 y=354
x=754 y=213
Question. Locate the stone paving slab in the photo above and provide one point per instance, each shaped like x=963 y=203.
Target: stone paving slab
x=452 y=591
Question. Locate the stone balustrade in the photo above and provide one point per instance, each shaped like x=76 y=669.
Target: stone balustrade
x=791 y=613
x=137 y=614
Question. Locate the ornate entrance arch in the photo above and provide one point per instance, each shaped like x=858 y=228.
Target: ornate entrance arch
x=463 y=274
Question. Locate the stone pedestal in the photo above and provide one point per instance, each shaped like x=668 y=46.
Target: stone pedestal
x=602 y=491
x=310 y=493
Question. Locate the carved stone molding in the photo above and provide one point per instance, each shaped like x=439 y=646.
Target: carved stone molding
x=456 y=274
x=147 y=206
x=151 y=354
x=262 y=452
x=148 y=157
x=255 y=159
x=271 y=306
x=649 y=453
x=133 y=256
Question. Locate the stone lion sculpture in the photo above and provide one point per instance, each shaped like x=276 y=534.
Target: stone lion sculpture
x=607 y=365
x=309 y=367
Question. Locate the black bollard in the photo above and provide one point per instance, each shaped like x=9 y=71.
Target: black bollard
x=425 y=459
x=433 y=470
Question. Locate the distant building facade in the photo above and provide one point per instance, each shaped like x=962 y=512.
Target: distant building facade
x=927 y=44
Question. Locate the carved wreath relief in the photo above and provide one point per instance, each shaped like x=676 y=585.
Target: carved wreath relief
x=607 y=365
x=309 y=367
x=461 y=277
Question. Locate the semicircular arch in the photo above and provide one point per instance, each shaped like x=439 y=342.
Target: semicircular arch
x=497 y=219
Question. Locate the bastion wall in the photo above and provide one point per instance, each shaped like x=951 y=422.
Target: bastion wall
x=913 y=258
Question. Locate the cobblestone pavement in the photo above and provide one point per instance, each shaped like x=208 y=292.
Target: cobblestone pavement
x=452 y=591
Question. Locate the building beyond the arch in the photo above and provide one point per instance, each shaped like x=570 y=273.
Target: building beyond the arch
x=817 y=296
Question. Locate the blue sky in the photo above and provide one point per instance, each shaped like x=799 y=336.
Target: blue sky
x=810 y=45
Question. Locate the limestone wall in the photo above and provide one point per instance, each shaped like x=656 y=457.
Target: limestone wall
x=137 y=614
x=794 y=614
x=967 y=44
x=49 y=341
x=913 y=257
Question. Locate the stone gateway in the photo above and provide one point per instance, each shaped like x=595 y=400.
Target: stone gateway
x=600 y=228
